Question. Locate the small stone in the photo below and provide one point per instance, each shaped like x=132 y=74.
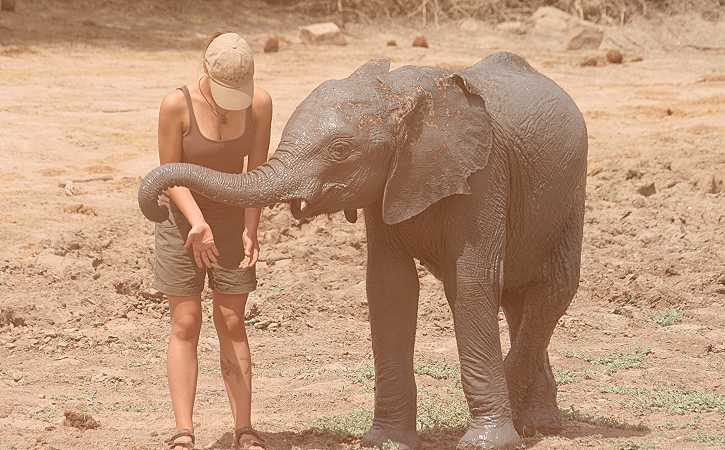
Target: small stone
x=648 y=237
x=709 y=184
x=585 y=38
x=262 y=324
x=131 y=315
x=80 y=420
x=150 y=293
x=420 y=41
x=271 y=45
x=322 y=33
x=631 y=173
x=274 y=325
x=647 y=189
x=16 y=376
x=614 y=56
x=392 y=43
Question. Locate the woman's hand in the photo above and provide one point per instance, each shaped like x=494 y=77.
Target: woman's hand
x=201 y=241
x=251 y=249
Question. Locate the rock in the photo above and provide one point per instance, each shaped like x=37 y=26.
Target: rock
x=592 y=61
x=7 y=5
x=470 y=25
x=647 y=189
x=709 y=184
x=392 y=43
x=648 y=237
x=513 y=27
x=274 y=325
x=585 y=38
x=262 y=324
x=80 y=420
x=420 y=41
x=632 y=173
x=614 y=56
x=322 y=33
x=152 y=294
x=10 y=317
x=271 y=45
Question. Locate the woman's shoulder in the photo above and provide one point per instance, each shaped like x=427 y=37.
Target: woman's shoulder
x=173 y=103
x=261 y=103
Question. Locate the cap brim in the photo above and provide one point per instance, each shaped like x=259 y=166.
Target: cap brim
x=232 y=99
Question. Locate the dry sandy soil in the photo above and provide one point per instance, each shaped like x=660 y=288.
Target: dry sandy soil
x=639 y=356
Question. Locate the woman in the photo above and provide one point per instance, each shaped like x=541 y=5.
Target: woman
x=214 y=122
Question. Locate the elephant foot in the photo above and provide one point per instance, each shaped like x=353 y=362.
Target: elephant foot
x=489 y=433
x=539 y=420
x=382 y=437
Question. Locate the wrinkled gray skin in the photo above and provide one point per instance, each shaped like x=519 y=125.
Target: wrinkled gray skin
x=481 y=176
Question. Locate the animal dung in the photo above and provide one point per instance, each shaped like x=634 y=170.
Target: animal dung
x=614 y=56
x=420 y=41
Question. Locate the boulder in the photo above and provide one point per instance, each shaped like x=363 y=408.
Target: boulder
x=556 y=24
x=585 y=38
x=513 y=27
x=322 y=33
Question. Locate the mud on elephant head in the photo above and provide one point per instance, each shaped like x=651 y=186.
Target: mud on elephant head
x=409 y=138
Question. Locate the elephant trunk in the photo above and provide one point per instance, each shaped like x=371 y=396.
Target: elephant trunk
x=261 y=187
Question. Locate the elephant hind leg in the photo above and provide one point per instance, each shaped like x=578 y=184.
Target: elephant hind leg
x=532 y=312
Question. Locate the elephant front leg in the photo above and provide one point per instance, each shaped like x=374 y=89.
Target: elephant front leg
x=475 y=311
x=392 y=289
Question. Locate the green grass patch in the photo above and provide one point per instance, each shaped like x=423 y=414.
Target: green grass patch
x=632 y=445
x=434 y=414
x=614 y=362
x=440 y=370
x=353 y=424
x=676 y=400
x=563 y=376
x=667 y=317
x=703 y=437
x=575 y=415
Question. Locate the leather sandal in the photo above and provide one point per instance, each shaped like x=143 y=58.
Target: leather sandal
x=181 y=432
x=246 y=438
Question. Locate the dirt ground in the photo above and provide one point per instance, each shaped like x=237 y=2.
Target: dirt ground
x=639 y=356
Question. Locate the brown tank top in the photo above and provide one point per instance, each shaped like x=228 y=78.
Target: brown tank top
x=224 y=156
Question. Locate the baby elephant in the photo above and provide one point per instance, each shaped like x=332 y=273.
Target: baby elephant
x=479 y=174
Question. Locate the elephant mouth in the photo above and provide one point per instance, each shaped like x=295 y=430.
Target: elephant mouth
x=308 y=207
x=300 y=208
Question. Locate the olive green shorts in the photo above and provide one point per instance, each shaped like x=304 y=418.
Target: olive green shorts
x=176 y=273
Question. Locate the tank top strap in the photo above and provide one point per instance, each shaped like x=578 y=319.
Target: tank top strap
x=190 y=107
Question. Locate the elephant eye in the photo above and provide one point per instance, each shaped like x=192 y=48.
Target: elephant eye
x=339 y=151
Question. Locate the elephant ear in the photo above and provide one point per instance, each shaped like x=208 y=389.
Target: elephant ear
x=443 y=134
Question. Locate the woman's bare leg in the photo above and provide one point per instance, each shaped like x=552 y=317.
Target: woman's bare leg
x=235 y=360
x=181 y=363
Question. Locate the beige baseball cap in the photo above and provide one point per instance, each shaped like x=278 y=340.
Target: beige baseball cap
x=229 y=63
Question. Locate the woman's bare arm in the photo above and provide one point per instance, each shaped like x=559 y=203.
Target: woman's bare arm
x=262 y=110
x=171 y=128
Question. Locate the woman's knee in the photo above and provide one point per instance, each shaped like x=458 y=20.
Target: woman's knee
x=186 y=326
x=229 y=317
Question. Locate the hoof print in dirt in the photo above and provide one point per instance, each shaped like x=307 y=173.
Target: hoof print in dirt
x=647 y=189
x=80 y=420
x=420 y=41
